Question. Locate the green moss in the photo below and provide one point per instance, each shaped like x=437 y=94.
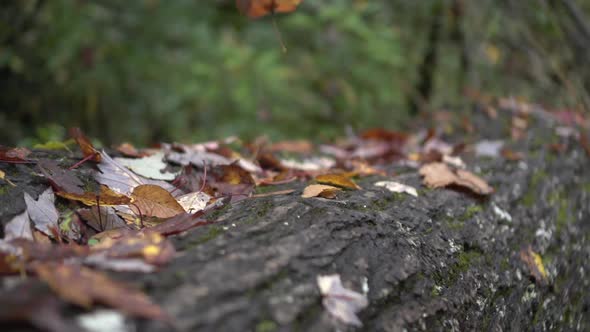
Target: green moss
x=532 y=194
x=213 y=232
x=217 y=213
x=260 y=210
x=466 y=259
x=505 y=264
x=4 y=189
x=559 y=200
x=264 y=189
x=435 y=291
x=586 y=187
x=266 y=326
x=470 y=212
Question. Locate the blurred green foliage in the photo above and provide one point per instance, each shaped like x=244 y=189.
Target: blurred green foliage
x=151 y=70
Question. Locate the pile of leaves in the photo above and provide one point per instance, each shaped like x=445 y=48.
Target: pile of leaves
x=114 y=210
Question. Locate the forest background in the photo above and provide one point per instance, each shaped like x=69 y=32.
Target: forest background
x=186 y=70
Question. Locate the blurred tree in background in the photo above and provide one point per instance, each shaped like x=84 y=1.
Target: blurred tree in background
x=152 y=70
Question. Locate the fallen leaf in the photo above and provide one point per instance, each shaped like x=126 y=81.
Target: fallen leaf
x=301 y=146
x=3 y=177
x=102 y=261
x=259 y=8
x=14 y=155
x=512 y=155
x=397 y=187
x=105 y=197
x=60 y=177
x=535 y=264
x=121 y=179
x=179 y=224
x=102 y=320
x=19 y=227
x=42 y=212
x=234 y=174
x=154 y=201
x=85 y=145
x=194 y=202
x=84 y=287
x=150 y=167
x=342 y=303
x=309 y=165
x=338 y=180
x=129 y=150
x=437 y=175
x=320 y=190
x=151 y=246
x=101 y=218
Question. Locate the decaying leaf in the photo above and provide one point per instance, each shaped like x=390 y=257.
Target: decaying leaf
x=397 y=187
x=179 y=224
x=437 y=175
x=342 y=303
x=150 y=167
x=151 y=246
x=18 y=227
x=309 y=165
x=234 y=174
x=320 y=190
x=14 y=155
x=85 y=287
x=154 y=201
x=101 y=218
x=106 y=197
x=259 y=8
x=535 y=264
x=42 y=212
x=60 y=177
x=194 y=202
x=120 y=179
x=338 y=180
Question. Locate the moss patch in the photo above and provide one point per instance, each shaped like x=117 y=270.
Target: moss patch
x=532 y=194
x=266 y=326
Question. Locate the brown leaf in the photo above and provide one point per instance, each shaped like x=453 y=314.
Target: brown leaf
x=437 y=175
x=14 y=155
x=85 y=287
x=85 y=145
x=234 y=174
x=179 y=224
x=61 y=178
x=106 y=197
x=259 y=8
x=320 y=190
x=149 y=245
x=338 y=180
x=154 y=201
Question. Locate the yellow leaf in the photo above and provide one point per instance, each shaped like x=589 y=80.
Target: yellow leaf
x=338 y=180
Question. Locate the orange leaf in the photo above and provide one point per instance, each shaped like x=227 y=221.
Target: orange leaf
x=154 y=201
x=437 y=175
x=84 y=287
x=320 y=190
x=106 y=197
x=338 y=180
x=85 y=144
x=150 y=246
x=535 y=264
x=259 y=8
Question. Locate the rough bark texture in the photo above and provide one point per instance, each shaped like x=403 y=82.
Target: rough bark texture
x=442 y=261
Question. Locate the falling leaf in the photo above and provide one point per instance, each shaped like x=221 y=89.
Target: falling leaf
x=320 y=190
x=106 y=197
x=535 y=264
x=14 y=155
x=85 y=145
x=42 y=211
x=150 y=167
x=338 y=180
x=397 y=187
x=259 y=8
x=342 y=303
x=194 y=202
x=84 y=287
x=61 y=178
x=18 y=227
x=437 y=175
x=154 y=201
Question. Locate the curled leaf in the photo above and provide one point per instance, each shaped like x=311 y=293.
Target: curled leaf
x=320 y=190
x=338 y=180
x=437 y=175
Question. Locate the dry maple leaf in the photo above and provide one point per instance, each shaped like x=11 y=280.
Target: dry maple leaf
x=106 y=197
x=84 y=287
x=437 y=175
x=320 y=190
x=259 y=8
x=338 y=180
x=154 y=201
